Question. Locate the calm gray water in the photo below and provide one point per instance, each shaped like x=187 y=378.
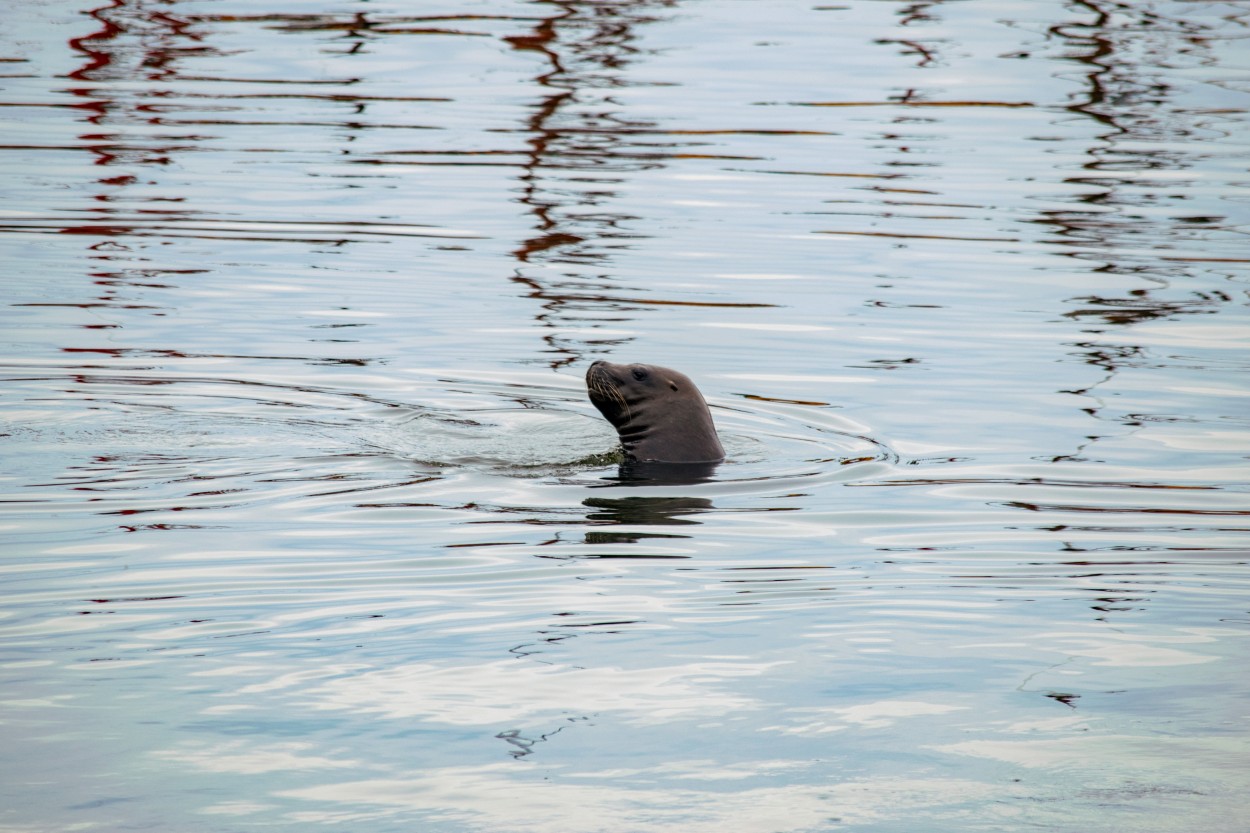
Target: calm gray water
x=308 y=524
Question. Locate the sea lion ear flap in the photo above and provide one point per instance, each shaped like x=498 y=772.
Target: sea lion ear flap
x=671 y=384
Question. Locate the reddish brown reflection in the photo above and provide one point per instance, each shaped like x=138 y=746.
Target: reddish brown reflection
x=136 y=40
x=580 y=147
x=1135 y=168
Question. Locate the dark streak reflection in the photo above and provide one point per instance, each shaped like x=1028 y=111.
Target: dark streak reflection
x=925 y=51
x=580 y=149
x=134 y=42
x=651 y=511
x=1127 y=214
x=1133 y=107
x=137 y=40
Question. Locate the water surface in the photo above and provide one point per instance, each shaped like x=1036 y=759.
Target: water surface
x=307 y=520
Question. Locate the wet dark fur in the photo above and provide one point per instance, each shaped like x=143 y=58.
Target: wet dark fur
x=659 y=413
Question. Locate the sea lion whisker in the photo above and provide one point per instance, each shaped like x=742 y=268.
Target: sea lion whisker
x=620 y=397
x=599 y=386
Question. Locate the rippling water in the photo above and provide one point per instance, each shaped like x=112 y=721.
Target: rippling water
x=308 y=524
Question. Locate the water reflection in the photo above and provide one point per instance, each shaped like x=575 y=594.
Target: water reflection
x=652 y=511
x=136 y=42
x=1129 y=193
x=1128 y=215
x=924 y=50
x=634 y=473
x=581 y=147
x=307 y=579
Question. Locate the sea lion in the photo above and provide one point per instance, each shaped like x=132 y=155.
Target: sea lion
x=659 y=413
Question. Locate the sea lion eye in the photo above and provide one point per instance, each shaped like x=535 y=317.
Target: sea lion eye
x=639 y=373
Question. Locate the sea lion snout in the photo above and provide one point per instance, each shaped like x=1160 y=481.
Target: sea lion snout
x=598 y=377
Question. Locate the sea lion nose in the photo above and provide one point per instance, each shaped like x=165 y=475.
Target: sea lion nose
x=596 y=363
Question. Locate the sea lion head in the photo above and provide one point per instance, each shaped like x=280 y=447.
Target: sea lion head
x=659 y=413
